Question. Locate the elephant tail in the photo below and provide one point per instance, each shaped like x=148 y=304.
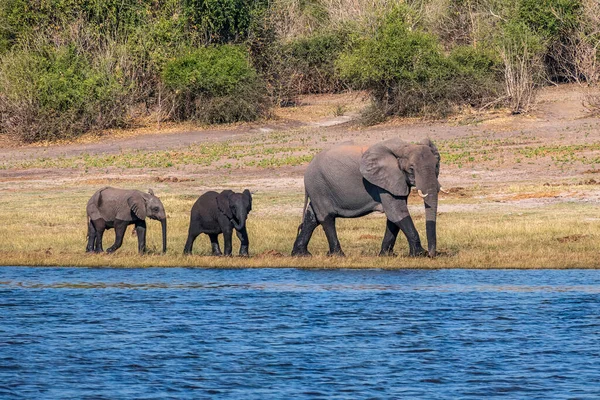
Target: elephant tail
x=89 y=224
x=303 y=210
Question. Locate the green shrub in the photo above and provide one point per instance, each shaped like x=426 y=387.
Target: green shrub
x=477 y=76
x=57 y=93
x=310 y=62
x=556 y=23
x=209 y=82
x=407 y=73
x=19 y=19
x=522 y=52
x=550 y=18
x=221 y=21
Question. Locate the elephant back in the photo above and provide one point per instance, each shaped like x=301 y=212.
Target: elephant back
x=110 y=203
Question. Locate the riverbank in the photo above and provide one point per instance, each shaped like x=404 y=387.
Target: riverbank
x=524 y=190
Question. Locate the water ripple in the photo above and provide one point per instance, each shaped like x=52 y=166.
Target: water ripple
x=256 y=334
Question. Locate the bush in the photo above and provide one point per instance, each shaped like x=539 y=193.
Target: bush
x=211 y=82
x=310 y=62
x=57 y=93
x=477 y=76
x=550 y=18
x=556 y=23
x=221 y=21
x=408 y=74
x=522 y=53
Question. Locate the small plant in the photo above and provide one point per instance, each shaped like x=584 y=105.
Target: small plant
x=340 y=110
x=591 y=102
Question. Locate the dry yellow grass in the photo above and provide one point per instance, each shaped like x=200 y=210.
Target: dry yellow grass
x=48 y=227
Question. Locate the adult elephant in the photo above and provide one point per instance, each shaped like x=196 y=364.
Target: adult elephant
x=350 y=181
x=118 y=208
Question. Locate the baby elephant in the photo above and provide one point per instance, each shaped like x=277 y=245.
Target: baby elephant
x=215 y=213
x=118 y=208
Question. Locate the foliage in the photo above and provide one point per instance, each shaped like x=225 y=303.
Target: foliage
x=311 y=60
x=56 y=92
x=521 y=51
x=221 y=21
x=415 y=57
x=407 y=72
x=214 y=84
x=550 y=18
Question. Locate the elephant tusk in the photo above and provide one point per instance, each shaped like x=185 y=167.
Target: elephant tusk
x=421 y=194
x=444 y=190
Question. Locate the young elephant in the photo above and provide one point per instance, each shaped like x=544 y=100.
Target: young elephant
x=117 y=208
x=215 y=213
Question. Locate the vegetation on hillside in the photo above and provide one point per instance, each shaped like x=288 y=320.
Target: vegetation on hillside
x=68 y=67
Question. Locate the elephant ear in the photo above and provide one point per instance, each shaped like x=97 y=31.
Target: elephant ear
x=223 y=203
x=436 y=153
x=247 y=200
x=379 y=165
x=137 y=203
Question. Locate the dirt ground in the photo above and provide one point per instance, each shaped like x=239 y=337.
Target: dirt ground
x=557 y=143
x=520 y=172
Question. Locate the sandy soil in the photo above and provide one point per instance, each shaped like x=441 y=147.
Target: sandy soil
x=558 y=121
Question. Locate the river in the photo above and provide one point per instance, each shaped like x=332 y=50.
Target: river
x=286 y=333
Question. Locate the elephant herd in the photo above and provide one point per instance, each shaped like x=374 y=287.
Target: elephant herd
x=346 y=181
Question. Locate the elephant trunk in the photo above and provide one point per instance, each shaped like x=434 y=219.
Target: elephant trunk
x=431 y=204
x=163 y=222
x=240 y=220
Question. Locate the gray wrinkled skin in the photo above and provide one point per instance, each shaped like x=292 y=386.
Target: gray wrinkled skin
x=350 y=181
x=215 y=213
x=118 y=208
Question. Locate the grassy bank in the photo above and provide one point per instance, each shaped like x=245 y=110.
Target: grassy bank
x=48 y=228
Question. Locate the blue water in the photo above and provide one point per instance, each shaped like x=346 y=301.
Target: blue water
x=269 y=333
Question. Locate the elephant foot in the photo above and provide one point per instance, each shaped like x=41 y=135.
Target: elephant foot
x=418 y=253
x=337 y=253
x=387 y=253
x=301 y=253
x=219 y=254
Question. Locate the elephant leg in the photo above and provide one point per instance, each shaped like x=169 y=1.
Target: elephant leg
x=396 y=211
x=91 y=237
x=389 y=239
x=227 y=235
x=140 y=230
x=243 y=236
x=120 y=227
x=192 y=235
x=214 y=244
x=334 y=244
x=412 y=236
x=305 y=231
x=100 y=227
